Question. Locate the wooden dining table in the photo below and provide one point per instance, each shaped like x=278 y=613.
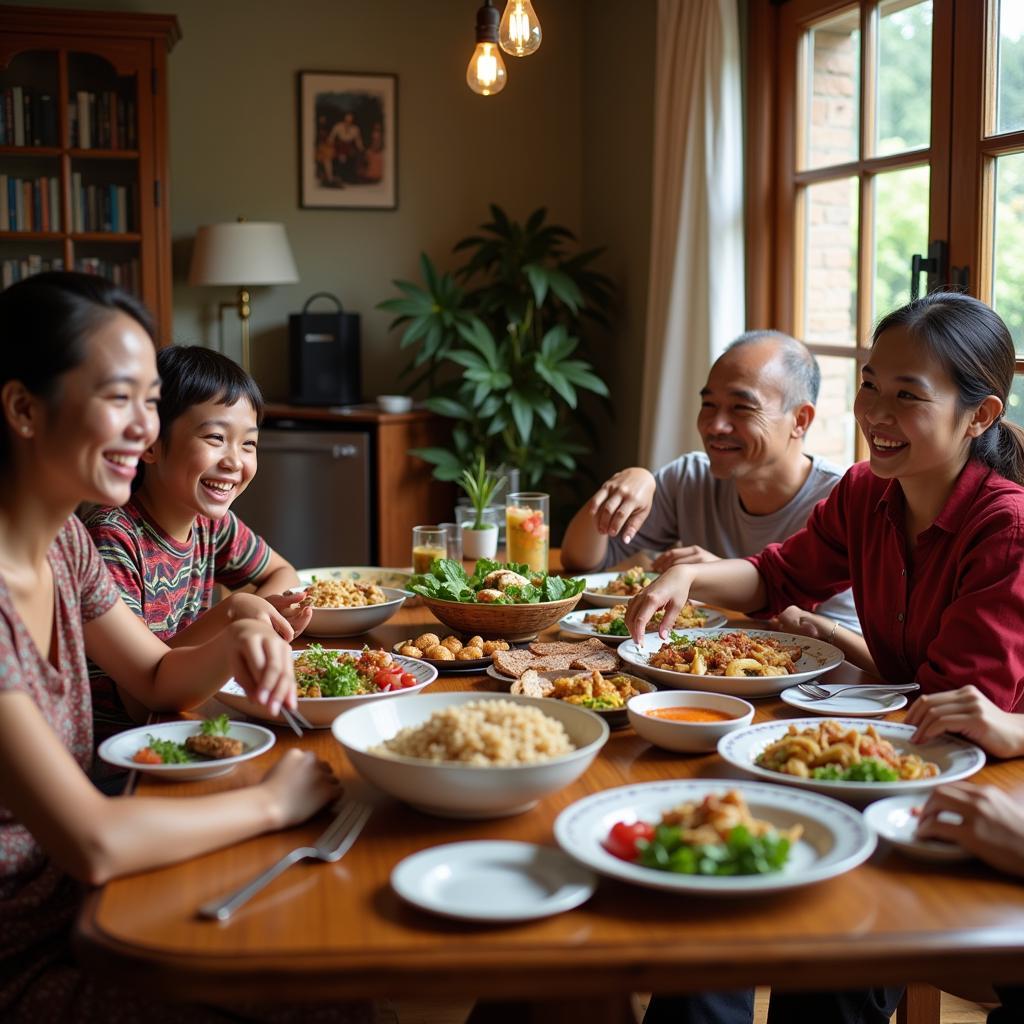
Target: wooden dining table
x=324 y=932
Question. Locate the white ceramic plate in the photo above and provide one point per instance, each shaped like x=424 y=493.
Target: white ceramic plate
x=597 y=581
x=855 y=704
x=576 y=624
x=321 y=711
x=956 y=758
x=492 y=880
x=120 y=749
x=895 y=819
x=835 y=837
x=818 y=658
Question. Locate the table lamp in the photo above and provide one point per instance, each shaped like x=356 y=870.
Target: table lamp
x=244 y=254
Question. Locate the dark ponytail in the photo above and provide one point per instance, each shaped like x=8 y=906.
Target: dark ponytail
x=45 y=323
x=972 y=342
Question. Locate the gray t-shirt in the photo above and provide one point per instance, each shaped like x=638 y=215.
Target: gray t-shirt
x=691 y=506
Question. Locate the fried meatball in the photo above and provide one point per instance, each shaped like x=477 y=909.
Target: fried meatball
x=469 y=653
x=489 y=596
x=410 y=651
x=453 y=643
x=475 y=641
x=214 y=746
x=490 y=646
x=440 y=653
x=502 y=578
x=426 y=640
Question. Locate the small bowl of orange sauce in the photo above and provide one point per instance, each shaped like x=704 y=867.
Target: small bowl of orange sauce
x=687 y=721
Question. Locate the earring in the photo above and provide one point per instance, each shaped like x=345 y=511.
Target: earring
x=26 y=429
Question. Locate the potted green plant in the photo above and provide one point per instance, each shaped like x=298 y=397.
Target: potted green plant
x=479 y=537
x=498 y=345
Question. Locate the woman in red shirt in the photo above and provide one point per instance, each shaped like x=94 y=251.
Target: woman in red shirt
x=929 y=533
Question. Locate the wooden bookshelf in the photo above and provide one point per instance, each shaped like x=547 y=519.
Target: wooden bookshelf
x=93 y=114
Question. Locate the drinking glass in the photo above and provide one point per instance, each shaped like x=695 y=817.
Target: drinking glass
x=527 y=529
x=428 y=543
x=453 y=538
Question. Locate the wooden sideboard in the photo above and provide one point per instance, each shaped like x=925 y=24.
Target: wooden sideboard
x=403 y=493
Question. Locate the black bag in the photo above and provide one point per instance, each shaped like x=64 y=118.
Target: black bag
x=323 y=352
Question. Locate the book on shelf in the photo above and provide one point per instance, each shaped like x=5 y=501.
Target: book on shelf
x=12 y=270
x=28 y=118
x=124 y=273
x=29 y=205
x=103 y=120
x=107 y=208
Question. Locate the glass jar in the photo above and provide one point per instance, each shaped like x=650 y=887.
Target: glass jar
x=527 y=530
x=428 y=543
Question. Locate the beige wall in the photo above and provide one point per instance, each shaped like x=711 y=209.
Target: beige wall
x=571 y=131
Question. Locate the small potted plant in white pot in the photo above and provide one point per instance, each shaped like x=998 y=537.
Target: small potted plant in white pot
x=479 y=537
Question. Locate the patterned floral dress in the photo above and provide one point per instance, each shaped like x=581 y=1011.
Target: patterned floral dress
x=39 y=980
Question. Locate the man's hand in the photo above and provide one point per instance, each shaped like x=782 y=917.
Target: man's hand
x=623 y=503
x=691 y=555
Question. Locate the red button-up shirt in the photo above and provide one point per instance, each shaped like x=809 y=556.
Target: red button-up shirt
x=952 y=614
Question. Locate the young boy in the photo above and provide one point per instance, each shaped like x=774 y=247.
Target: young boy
x=177 y=536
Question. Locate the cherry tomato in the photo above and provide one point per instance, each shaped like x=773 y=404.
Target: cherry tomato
x=409 y=680
x=147 y=755
x=623 y=837
x=386 y=679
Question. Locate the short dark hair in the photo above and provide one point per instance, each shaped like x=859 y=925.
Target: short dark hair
x=802 y=375
x=45 y=322
x=190 y=374
x=974 y=345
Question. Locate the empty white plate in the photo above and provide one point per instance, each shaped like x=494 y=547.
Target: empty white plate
x=896 y=818
x=493 y=880
x=855 y=704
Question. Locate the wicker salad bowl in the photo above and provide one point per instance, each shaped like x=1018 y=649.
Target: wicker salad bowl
x=509 y=621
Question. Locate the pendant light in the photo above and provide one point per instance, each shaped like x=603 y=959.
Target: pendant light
x=486 y=73
x=519 y=33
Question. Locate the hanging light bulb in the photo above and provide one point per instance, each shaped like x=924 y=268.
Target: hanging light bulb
x=486 y=73
x=519 y=33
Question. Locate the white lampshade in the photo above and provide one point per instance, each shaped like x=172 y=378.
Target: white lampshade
x=242 y=253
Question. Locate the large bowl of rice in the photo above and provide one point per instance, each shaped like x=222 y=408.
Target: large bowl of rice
x=470 y=755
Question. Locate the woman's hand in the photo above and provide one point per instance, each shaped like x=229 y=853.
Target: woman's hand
x=798 y=620
x=262 y=663
x=623 y=503
x=298 y=786
x=968 y=712
x=250 y=606
x=991 y=823
x=291 y=607
x=668 y=591
x=691 y=555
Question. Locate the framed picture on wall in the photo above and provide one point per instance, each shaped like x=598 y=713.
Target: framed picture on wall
x=348 y=139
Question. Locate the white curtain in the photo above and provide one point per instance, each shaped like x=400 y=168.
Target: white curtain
x=695 y=295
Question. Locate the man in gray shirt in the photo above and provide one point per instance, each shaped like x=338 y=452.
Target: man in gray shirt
x=753 y=485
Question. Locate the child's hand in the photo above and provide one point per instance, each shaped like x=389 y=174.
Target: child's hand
x=968 y=712
x=249 y=606
x=294 y=607
x=298 y=786
x=262 y=663
x=991 y=823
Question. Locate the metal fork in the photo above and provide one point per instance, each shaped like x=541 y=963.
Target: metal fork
x=816 y=692
x=336 y=841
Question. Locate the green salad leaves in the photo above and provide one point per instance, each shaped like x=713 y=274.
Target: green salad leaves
x=335 y=678
x=447 y=581
x=169 y=751
x=741 y=854
x=869 y=770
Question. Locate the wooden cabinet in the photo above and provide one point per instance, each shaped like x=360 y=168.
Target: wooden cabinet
x=83 y=148
x=403 y=493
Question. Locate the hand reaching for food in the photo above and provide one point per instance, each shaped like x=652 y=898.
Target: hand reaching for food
x=669 y=591
x=295 y=607
x=969 y=713
x=693 y=554
x=623 y=502
x=991 y=823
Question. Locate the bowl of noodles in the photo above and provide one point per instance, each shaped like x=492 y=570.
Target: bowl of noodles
x=348 y=607
x=329 y=683
x=845 y=758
